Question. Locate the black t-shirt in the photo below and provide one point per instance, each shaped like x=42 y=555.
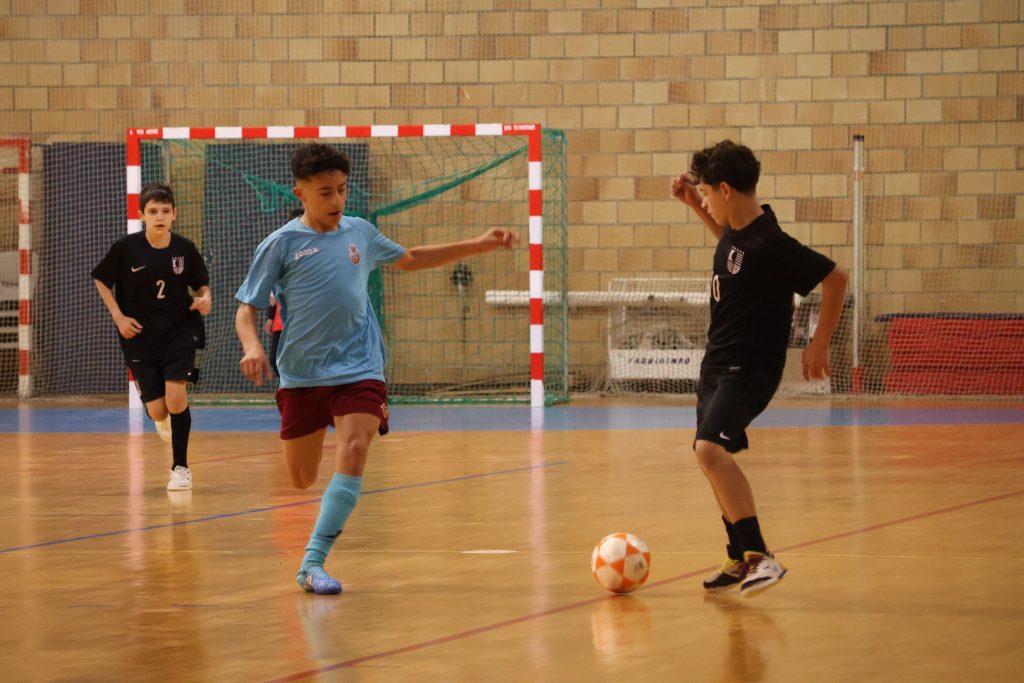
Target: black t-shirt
x=152 y=286
x=757 y=270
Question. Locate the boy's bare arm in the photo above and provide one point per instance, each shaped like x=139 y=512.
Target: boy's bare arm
x=833 y=293
x=434 y=255
x=254 y=364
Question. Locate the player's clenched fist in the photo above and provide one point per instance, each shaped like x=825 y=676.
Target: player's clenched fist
x=684 y=189
x=499 y=237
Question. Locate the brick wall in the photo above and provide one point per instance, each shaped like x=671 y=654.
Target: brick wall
x=936 y=88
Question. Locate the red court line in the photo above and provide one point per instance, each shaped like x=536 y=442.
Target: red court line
x=901 y=520
x=461 y=635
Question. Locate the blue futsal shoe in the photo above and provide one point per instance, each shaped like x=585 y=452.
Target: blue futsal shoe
x=316 y=580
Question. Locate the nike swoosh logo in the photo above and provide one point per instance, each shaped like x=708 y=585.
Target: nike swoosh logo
x=135 y=270
x=722 y=435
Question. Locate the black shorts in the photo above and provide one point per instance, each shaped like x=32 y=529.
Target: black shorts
x=728 y=400
x=174 y=358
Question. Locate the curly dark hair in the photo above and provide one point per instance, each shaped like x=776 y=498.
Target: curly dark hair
x=156 y=192
x=310 y=160
x=727 y=162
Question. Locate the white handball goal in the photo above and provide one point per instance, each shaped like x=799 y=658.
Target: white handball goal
x=418 y=185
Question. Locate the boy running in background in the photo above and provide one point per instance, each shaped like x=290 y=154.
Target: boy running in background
x=144 y=280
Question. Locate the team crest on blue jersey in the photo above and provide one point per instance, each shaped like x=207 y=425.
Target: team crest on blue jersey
x=734 y=260
x=178 y=264
x=353 y=253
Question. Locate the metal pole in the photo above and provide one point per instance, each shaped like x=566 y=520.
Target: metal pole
x=858 y=257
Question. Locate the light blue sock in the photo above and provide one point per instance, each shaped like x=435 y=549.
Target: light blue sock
x=337 y=504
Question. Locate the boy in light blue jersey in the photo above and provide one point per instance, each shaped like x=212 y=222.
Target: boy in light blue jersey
x=331 y=356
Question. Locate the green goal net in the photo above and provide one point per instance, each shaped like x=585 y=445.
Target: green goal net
x=449 y=339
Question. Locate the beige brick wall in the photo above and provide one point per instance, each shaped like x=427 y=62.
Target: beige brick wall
x=935 y=87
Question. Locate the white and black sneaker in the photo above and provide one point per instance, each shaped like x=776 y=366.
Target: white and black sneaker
x=726 y=577
x=763 y=572
x=181 y=479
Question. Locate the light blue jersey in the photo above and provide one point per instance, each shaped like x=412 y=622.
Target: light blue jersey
x=331 y=335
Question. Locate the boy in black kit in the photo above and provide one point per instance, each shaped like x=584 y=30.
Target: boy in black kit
x=757 y=268
x=144 y=281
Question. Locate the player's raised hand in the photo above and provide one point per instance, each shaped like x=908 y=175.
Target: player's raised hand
x=255 y=366
x=128 y=327
x=202 y=303
x=499 y=237
x=685 y=190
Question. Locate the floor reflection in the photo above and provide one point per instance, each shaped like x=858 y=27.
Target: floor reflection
x=621 y=628
x=749 y=631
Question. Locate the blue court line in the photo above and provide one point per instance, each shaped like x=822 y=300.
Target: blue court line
x=509 y=418
x=228 y=515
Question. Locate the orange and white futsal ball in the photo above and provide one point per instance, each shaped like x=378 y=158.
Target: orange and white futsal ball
x=621 y=562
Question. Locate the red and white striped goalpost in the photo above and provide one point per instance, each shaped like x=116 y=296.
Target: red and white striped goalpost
x=24 y=170
x=532 y=132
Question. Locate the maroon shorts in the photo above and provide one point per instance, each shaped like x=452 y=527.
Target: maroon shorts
x=307 y=409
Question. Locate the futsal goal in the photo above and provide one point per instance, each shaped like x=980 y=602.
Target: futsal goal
x=418 y=185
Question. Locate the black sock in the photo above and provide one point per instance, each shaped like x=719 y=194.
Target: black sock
x=181 y=427
x=748 y=531
x=733 y=549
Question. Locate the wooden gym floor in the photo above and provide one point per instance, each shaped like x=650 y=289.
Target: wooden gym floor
x=467 y=558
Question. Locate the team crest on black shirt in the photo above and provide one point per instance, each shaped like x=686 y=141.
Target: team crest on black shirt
x=178 y=264
x=353 y=253
x=734 y=261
